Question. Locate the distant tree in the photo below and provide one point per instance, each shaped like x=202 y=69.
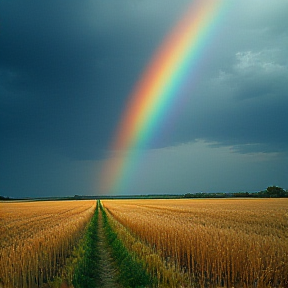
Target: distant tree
x=275 y=192
x=4 y=198
x=241 y=194
x=188 y=195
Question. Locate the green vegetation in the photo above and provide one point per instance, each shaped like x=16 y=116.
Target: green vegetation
x=270 y=192
x=132 y=272
x=273 y=192
x=86 y=273
x=3 y=198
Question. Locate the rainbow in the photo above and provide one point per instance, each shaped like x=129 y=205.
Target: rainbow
x=158 y=89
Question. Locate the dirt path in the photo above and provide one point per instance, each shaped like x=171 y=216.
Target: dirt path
x=107 y=267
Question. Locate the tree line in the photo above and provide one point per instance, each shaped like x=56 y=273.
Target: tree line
x=269 y=192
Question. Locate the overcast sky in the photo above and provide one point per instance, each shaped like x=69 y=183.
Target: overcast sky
x=67 y=68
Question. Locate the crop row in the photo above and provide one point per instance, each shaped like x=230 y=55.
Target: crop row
x=159 y=243
x=37 y=237
x=216 y=243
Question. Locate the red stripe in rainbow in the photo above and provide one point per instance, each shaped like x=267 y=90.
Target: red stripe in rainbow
x=157 y=89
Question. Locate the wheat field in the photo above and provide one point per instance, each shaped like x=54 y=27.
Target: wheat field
x=36 y=238
x=216 y=242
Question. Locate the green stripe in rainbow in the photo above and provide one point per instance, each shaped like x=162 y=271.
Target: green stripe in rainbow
x=157 y=90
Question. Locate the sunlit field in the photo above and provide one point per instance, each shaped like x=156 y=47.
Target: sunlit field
x=217 y=243
x=36 y=238
x=195 y=243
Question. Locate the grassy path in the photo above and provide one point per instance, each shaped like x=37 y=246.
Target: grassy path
x=104 y=261
x=96 y=267
x=107 y=267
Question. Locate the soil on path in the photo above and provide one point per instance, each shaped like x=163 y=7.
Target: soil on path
x=107 y=268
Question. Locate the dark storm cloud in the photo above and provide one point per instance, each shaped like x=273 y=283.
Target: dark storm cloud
x=67 y=68
x=252 y=107
x=55 y=77
x=246 y=110
x=241 y=98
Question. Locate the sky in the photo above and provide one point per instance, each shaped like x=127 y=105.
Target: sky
x=67 y=69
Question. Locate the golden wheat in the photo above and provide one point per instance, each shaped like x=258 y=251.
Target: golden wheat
x=168 y=275
x=220 y=243
x=36 y=238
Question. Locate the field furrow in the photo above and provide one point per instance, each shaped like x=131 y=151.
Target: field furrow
x=218 y=243
x=36 y=238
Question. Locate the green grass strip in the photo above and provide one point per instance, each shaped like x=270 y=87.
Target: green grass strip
x=132 y=272
x=86 y=273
